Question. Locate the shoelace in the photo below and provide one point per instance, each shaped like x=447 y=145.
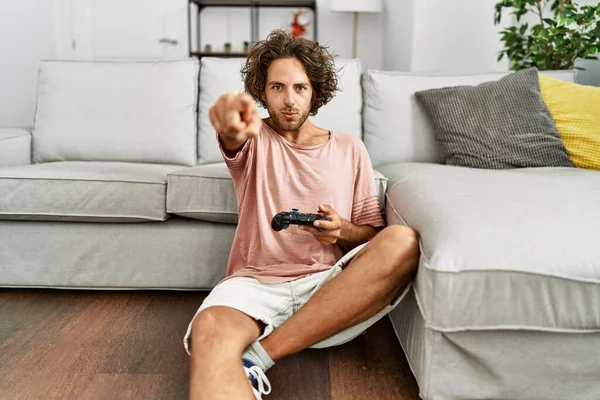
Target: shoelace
x=264 y=386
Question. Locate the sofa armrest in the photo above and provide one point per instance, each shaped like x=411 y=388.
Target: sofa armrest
x=15 y=147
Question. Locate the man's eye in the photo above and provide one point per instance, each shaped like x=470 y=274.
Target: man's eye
x=300 y=88
x=276 y=87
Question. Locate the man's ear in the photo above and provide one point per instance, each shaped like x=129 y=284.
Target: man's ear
x=263 y=99
x=313 y=100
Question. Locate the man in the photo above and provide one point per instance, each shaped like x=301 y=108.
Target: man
x=310 y=286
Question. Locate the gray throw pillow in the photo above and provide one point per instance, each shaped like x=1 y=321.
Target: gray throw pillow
x=500 y=124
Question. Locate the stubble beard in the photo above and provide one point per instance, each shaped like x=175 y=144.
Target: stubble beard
x=286 y=126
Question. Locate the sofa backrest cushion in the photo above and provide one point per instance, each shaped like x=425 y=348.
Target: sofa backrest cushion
x=221 y=75
x=501 y=124
x=396 y=129
x=117 y=111
x=575 y=109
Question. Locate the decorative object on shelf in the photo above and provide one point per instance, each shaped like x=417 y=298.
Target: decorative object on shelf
x=246 y=46
x=356 y=6
x=566 y=32
x=207 y=48
x=299 y=23
x=227 y=47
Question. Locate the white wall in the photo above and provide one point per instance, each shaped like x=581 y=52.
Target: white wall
x=370 y=44
x=398 y=34
x=441 y=36
x=456 y=37
x=26 y=36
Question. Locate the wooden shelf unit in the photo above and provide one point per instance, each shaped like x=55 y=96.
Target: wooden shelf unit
x=254 y=6
x=258 y=3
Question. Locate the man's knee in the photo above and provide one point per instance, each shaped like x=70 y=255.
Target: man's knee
x=400 y=244
x=216 y=327
x=399 y=239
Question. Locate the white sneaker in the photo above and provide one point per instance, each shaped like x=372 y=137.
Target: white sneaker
x=258 y=380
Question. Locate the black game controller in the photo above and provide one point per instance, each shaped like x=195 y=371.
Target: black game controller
x=283 y=220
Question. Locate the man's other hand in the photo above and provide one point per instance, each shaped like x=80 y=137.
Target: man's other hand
x=331 y=229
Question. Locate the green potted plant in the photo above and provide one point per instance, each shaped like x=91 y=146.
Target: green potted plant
x=561 y=33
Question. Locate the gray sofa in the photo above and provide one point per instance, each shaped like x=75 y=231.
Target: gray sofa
x=120 y=185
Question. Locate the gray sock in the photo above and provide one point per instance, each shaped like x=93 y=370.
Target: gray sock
x=258 y=356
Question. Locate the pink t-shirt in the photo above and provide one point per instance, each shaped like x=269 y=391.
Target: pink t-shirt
x=271 y=175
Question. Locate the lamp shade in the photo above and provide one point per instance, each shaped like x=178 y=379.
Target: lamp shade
x=356 y=5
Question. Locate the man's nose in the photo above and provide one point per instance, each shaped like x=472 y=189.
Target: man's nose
x=289 y=98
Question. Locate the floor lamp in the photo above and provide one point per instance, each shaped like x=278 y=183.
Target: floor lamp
x=356 y=6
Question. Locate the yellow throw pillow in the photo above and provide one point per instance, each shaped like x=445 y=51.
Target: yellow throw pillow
x=576 y=111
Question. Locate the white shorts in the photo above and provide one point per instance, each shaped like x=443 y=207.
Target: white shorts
x=273 y=304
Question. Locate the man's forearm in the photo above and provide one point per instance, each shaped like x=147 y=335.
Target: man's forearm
x=354 y=235
x=231 y=146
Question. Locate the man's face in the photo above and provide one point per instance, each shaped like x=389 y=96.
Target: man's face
x=288 y=94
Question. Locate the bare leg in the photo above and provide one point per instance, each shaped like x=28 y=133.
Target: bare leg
x=369 y=283
x=219 y=337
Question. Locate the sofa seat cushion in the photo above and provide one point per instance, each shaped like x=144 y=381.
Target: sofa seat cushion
x=203 y=192
x=510 y=249
x=85 y=191
x=206 y=192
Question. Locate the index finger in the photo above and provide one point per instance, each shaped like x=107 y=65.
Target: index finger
x=234 y=121
x=326 y=209
x=246 y=105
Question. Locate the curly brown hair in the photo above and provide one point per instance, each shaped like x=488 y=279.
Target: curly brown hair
x=317 y=61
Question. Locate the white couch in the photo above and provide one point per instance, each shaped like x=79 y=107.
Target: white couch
x=117 y=187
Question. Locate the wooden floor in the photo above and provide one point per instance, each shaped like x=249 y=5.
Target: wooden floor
x=128 y=345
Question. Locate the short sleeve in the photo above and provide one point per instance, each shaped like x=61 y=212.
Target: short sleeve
x=365 y=206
